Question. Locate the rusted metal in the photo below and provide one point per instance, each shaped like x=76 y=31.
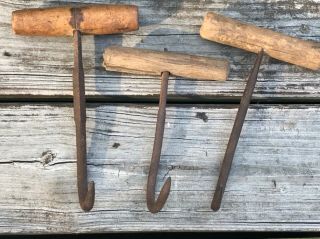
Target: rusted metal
x=235 y=134
x=76 y=18
x=86 y=191
x=153 y=205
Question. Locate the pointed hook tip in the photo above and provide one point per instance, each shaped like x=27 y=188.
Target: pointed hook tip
x=166 y=187
x=156 y=206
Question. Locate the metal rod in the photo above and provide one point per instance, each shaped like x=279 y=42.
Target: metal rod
x=86 y=191
x=153 y=205
x=235 y=134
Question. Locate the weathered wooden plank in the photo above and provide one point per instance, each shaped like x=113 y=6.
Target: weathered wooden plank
x=42 y=66
x=273 y=186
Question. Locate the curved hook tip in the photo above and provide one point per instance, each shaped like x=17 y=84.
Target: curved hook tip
x=87 y=203
x=164 y=193
x=156 y=206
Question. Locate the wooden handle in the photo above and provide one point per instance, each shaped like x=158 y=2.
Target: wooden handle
x=251 y=38
x=141 y=61
x=61 y=21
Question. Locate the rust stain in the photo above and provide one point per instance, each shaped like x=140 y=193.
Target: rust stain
x=76 y=18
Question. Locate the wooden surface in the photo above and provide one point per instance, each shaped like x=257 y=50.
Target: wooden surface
x=273 y=186
x=62 y=21
x=41 y=66
x=274 y=182
x=228 y=31
x=149 y=62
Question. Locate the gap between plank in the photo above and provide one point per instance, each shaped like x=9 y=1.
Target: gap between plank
x=154 y=99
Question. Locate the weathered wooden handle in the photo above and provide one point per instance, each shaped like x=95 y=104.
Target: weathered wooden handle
x=252 y=38
x=142 y=61
x=61 y=21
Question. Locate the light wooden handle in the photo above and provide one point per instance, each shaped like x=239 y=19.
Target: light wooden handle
x=251 y=38
x=142 y=61
x=61 y=21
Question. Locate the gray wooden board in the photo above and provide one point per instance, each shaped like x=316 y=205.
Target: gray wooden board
x=273 y=185
x=41 y=66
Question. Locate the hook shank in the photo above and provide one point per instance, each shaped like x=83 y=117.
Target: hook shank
x=86 y=191
x=156 y=206
x=235 y=134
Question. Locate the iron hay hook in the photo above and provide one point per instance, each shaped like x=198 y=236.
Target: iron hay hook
x=86 y=191
x=153 y=205
x=144 y=61
x=235 y=134
x=95 y=19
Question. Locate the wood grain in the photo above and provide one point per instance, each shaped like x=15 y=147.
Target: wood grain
x=273 y=186
x=62 y=21
x=42 y=66
x=249 y=37
x=148 y=62
x=274 y=182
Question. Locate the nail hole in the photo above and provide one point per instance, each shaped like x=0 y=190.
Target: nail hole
x=274 y=183
x=202 y=115
x=304 y=28
x=6 y=53
x=47 y=157
x=115 y=145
